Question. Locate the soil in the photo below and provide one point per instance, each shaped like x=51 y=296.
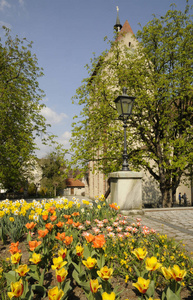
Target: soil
x=129 y=292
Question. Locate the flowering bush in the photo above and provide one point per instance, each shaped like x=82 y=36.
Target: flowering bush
x=88 y=243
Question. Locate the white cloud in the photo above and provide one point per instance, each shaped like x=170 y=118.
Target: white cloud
x=45 y=149
x=21 y=2
x=3 y=4
x=64 y=138
x=51 y=116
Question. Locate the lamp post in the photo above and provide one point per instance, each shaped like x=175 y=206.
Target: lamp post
x=124 y=105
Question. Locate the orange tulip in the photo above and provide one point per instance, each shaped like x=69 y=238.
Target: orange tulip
x=76 y=224
x=30 y=225
x=113 y=205
x=75 y=214
x=89 y=238
x=99 y=241
x=49 y=226
x=67 y=216
x=51 y=209
x=45 y=217
x=13 y=248
x=33 y=245
x=60 y=224
x=68 y=240
x=69 y=222
x=60 y=236
x=42 y=233
x=53 y=218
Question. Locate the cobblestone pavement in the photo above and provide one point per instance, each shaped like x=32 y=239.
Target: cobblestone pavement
x=175 y=222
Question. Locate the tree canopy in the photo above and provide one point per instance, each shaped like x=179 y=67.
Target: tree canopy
x=20 y=108
x=54 y=172
x=159 y=72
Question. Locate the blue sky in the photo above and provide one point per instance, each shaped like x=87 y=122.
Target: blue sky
x=65 y=34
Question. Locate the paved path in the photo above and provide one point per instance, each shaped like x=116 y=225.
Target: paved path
x=175 y=222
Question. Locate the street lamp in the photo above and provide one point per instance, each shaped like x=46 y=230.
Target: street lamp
x=124 y=105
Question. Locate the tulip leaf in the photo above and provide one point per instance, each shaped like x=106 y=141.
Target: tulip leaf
x=170 y=295
x=137 y=271
x=10 y=276
x=151 y=290
x=66 y=287
x=86 y=252
x=39 y=289
x=101 y=261
x=76 y=277
x=34 y=275
x=41 y=281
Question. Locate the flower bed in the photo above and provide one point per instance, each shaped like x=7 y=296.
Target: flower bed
x=89 y=246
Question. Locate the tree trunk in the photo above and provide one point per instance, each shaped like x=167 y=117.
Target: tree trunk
x=167 y=197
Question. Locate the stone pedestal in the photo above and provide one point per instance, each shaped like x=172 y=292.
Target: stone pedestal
x=126 y=191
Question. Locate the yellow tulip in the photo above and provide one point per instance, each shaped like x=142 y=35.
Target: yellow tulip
x=140 y=253
x=15 y=258
x=36 y=258
x=167 y=273
x=106 y=296
x=58 y=263
x=79 y=250
x=61 y=274
x=177 y=273
x=142 y=285
x=55 y=294
x=22 y=270
x=94 y=285
x=152 y=263
x=16 y=289
x=90 y=262
x=105 y=273
x=62 y=252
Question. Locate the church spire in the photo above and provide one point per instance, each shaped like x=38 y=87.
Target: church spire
x=118 y=25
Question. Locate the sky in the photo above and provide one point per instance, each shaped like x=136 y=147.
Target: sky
x=65 y=35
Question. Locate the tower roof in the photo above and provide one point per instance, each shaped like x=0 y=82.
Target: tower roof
x=126 y=28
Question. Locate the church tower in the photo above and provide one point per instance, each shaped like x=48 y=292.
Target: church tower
x=118 y=25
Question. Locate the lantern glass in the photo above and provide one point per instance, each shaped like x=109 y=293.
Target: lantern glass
x=119 y=108
x=124 y=105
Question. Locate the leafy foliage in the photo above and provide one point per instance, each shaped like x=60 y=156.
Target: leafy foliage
x=20 y=109
x=159 y=73
x=53 y=172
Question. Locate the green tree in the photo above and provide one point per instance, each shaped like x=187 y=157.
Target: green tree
x=20 y=109
x=53 y=172
x=159 y=72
